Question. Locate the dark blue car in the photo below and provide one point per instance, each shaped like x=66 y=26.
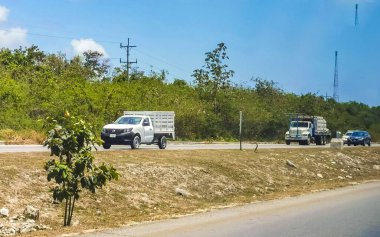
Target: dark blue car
x=359 y=138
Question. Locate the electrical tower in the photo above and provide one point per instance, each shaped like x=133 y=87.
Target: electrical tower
x=356 y=14
x=127 y=62
x=335 y=95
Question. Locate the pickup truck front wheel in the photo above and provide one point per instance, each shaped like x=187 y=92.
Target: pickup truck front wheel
x=162 y=142
x=135 y=142
x=106 y=145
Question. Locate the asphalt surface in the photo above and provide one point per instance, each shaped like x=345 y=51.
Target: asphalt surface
x=351 y=212
x=177 y=146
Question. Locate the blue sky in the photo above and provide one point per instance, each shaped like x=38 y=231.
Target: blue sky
x=291 y=42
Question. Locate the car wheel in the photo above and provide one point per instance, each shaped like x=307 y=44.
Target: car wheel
x=135 y=142
x=287 y=142
x=106 y=145
x=369 y=143
x=162 y=142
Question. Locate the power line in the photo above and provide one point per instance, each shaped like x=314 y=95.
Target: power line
x=100 y=41
x=158 y=69
x=161 y=60
x=53 y=36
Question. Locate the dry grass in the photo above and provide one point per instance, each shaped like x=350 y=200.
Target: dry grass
x=21 y=137
x=146 y=190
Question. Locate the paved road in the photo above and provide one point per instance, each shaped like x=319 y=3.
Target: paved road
x=173 y=146
x=22 y=148
x=350 y=212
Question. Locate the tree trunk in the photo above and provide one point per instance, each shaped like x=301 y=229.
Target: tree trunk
x=65 y=217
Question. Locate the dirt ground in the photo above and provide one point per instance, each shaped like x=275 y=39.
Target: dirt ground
x=159 y=184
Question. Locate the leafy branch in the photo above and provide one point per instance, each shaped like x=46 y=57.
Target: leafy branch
x=71 y=140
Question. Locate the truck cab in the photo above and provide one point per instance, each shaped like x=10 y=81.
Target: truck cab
x=130 y=130
x=299 y=131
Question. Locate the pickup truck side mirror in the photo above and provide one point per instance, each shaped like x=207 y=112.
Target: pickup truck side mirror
x=146 y=123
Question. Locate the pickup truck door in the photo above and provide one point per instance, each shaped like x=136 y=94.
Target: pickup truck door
x=148 y=131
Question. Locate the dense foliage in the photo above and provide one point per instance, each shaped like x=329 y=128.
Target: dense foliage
x=34 y=85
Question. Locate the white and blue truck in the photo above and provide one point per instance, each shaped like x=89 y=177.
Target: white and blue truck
x=306 y=129
x=140 y=127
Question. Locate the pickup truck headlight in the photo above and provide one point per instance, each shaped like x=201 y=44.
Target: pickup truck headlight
x=127 y=130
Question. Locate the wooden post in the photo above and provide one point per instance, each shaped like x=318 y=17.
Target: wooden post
x=240 y=128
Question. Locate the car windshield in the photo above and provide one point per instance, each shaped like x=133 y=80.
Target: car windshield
x=358 y=134
x=348 y=133
x=128 y=120
x=296 y=124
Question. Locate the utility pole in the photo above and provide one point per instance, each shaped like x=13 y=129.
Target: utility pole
x=240 y=128
x=336 y=95
x=127 y=62
x=327 y=97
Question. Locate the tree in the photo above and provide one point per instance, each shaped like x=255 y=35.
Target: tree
x=71 y=140
x=96 y=65
x=266 y=89
x=214 y=75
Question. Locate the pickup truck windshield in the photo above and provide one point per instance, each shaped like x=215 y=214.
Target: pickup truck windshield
x=296 y=124
x=128 y=120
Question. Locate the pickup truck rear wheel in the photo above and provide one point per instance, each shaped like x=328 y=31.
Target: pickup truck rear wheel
x=162 y=142
x=135 y=142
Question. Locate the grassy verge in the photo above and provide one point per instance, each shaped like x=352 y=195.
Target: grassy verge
x=213 y=179
x=10 y=136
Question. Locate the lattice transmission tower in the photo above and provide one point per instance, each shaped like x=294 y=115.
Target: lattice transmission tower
x=336 y=82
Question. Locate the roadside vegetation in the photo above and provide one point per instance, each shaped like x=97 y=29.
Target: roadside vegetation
x=35 y=85
x=70 y=141
x=161 y=184
x=157 y=184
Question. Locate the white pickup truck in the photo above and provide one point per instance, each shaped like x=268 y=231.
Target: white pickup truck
x=140 y=127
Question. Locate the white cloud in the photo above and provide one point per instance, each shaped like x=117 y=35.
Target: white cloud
x=13 y=38
x=82 y=45
x=3 y=13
